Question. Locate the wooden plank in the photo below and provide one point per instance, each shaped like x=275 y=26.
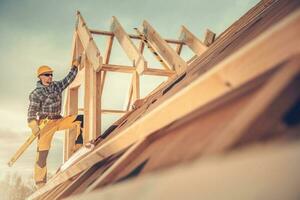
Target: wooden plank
x=106 y=111
x=130 y=95
x=79 y=79
x=197 y=133
x=171 y=58
x=70 y=136
x=92 y=102
x=135 y=86
x=209 y=37
x=179 y=48
x=152 y=50
x=79 y=49
x=128 y=46
x=192 y=41
x=108 y=49
x=248 y=17
x=96 y=105
x=132 y=36
x=86 y=100
x=93 y=56
x=247 y=171
x=106 y=61
x=141 y=47
x=72 y=97
x=159 y=72
x=55 y=194
x=109 y=175
x=90 y=47
x=128 y=69
x=256 y=108
x=84 y=179
x=275 y=45
x=118 y=68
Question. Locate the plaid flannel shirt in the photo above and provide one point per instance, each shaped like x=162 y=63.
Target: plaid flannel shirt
x=47 y=100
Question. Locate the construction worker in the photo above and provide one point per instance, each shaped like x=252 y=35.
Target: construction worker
x=45 y=106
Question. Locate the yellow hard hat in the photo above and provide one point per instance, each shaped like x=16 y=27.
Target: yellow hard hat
x=43 y=69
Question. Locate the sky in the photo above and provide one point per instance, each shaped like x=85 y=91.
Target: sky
x=38 y=32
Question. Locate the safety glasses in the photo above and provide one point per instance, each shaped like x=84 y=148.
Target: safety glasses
x=48 y=75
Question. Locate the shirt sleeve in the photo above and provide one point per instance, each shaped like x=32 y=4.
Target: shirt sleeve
x=34 y=107
x=64 y=83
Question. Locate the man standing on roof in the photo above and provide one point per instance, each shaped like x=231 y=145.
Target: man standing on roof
x=45 y=105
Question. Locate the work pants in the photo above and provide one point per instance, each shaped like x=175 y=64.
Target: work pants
x=45 y=138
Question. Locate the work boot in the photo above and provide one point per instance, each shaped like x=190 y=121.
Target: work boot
x=39 y=185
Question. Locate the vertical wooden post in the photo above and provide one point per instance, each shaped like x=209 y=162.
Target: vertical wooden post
x=95 y=105
x=135 y=86
x=72 y=102
x=92 y=103
x=86 y=126
x=70 y=134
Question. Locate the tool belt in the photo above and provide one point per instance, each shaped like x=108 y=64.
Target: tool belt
x=50 y=117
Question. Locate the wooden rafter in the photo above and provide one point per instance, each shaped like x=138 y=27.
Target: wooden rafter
x=192 y=41
x=90 y=47
x=169 y=55
x=179 y=46
x=209 y=37
x=152 y=50
x=128 y=46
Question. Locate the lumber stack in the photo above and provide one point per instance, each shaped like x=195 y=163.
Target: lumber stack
x=239 y=90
